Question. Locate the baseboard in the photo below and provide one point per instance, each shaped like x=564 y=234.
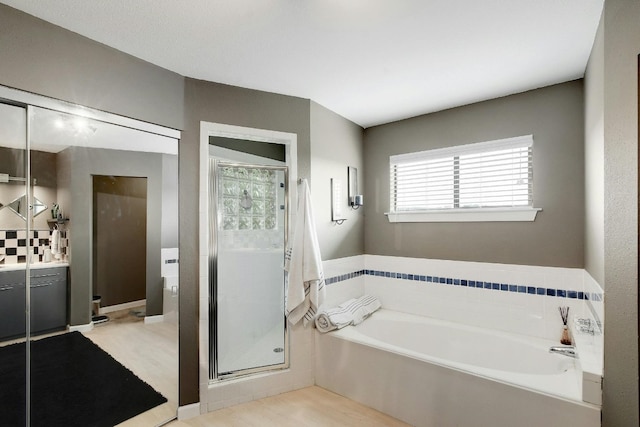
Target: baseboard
x=189 y=411
x=81 y=328
x=123 y=306
x=154 y=319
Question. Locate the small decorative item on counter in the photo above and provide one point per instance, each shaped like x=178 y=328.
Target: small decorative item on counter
x=46 y=254
x=564 y=313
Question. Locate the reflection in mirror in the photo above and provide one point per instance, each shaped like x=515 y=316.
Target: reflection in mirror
x=117 y=190
x=67 y=264
x=21 y=208
x=13 y=348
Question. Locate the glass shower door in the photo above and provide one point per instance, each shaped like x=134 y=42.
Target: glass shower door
x=248 y=279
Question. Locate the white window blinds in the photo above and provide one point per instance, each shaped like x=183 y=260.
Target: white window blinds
x=483 y=175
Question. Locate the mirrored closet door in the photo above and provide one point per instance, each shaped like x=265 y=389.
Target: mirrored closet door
x=14 y=277
x=95 y=225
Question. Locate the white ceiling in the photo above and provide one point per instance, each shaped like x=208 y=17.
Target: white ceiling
x=372 y=61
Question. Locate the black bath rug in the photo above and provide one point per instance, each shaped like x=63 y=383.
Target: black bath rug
x=73 y=383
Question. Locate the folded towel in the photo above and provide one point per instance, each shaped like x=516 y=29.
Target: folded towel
x=351 y=312
x=335 y=318
x=366 y=306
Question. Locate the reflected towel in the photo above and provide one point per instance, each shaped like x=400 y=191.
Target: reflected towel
x=351 y=312
x=303 y=263
x=55 y=242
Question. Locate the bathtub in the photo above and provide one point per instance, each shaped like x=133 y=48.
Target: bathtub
x=428 y=372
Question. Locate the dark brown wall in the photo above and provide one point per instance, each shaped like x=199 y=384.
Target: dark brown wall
x=119 y=239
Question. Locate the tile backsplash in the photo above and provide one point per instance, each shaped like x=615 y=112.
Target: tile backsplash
x=14 y=244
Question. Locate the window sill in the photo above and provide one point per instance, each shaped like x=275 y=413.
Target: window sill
x=466 y=215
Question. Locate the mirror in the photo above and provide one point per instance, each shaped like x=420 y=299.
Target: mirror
x=72 y=261
x=20 y=207
x=118 y=190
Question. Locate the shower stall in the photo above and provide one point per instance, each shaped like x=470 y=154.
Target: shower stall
x=248 y=225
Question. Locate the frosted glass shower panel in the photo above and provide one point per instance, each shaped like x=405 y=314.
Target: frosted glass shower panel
x=250 y=275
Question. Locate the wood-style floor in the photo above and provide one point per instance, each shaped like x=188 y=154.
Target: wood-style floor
x=150 y=351
x=308 y=407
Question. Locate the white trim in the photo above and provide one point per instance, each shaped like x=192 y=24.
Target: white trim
x=467 y=215
x=159 y=318
x=188 y=411
x=81 y=328
x=90 y=113
x=207 y=129
x=123 y=306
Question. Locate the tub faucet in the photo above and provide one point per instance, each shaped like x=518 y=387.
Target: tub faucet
x=564 y=350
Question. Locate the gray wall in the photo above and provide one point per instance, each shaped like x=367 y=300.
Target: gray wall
x=212 y=102
x=554 y=115
x=621 y=34
x=594 y=160
x=335 y=144
x=76 y=186
x=169 y=201
x=256 y=148
x=43 y=58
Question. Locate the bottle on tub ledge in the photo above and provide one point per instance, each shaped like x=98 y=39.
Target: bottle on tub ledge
x=564 y=314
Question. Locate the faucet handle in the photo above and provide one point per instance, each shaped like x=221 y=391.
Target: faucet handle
x=587 y=326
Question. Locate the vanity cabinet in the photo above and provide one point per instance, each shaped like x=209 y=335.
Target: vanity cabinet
x=48 y=301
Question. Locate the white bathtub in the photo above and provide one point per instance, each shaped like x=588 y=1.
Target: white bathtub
x=433 y=373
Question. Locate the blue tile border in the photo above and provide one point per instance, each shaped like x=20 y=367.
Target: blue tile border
x=450 y=281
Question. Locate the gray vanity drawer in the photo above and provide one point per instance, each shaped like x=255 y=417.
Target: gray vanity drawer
x=11 y=277
x=48 y=292
x=12 y=320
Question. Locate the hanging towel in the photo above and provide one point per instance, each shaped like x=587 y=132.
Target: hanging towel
x=55 y=242
x=351 y=312
x=303 y=263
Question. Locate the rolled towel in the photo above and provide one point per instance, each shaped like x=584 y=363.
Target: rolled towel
x=351 y=312
x=335 y=318
x=366 y=306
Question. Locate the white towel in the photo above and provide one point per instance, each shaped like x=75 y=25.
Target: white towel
x=351 y=312
x=55 y=242
x=366 y=305
x=335 y=318
x=303 y=263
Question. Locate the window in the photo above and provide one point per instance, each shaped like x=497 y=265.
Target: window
x=487 y=181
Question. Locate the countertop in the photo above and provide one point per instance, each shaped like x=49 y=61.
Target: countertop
x=33 y=266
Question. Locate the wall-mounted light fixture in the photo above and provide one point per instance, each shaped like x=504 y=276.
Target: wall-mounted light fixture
x=355 y=200
x=336 y=199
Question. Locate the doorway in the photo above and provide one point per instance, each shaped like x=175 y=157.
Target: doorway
x=238 y=154
x=119 y=240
